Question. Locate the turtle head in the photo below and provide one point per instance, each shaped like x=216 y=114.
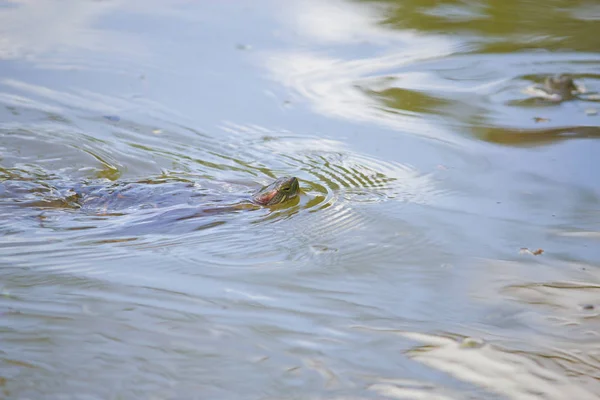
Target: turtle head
x=282 y=190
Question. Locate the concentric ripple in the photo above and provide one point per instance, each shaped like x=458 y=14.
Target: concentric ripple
x=330 y=221
x=185 y=182
x=328 y=167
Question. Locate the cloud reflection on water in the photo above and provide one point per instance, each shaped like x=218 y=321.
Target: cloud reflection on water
x=43 y=30
x=332 y=82
x=362 y=69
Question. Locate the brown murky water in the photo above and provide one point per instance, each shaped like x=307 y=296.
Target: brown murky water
x=426 y=167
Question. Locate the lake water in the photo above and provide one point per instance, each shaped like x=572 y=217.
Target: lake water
x=407 y=269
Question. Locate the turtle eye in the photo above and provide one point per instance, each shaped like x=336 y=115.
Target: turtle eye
x=285 y=188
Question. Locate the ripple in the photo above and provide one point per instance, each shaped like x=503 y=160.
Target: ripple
x=334 y=87
x=550 y=373
x=429 y=88
x=331 y=169
x=337 y=184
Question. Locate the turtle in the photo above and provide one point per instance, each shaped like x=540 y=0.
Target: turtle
x=110 y=199
x=556 y=88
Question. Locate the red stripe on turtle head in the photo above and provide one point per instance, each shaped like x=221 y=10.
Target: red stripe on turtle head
x=266 y=197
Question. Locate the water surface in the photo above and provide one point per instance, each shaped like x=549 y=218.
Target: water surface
x=400 y=271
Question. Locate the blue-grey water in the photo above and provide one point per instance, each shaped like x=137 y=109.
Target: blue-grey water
x=407 y=269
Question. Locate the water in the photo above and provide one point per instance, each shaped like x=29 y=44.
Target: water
x=398 y=274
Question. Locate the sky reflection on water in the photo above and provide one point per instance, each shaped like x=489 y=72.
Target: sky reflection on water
x=397 y=274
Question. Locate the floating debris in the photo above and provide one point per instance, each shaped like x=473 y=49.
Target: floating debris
x=157 y=131
x=540 y=119
x=320 y=249
x=525 y=250
x=591 y=111
x=472 y=343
